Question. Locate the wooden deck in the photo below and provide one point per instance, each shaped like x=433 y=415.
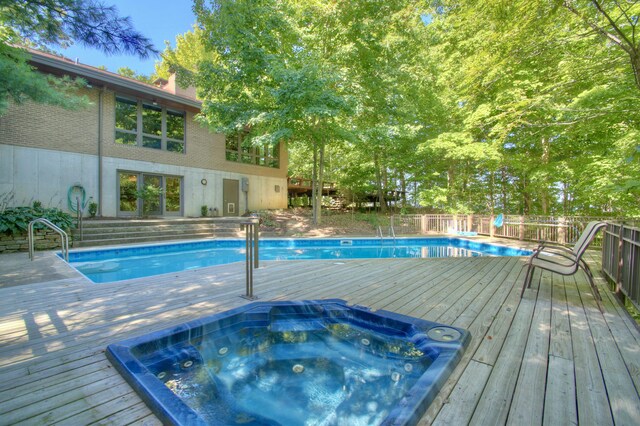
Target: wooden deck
x=549 y=358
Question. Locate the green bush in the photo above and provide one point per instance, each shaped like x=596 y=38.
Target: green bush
x=93 y=208
x=16 y=220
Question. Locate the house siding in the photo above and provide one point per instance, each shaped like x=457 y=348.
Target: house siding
x=45 y=149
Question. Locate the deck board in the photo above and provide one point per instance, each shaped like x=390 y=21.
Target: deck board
x=549 y=358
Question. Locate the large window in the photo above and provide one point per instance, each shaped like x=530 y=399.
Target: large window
x=149 y=126
x=241 y=151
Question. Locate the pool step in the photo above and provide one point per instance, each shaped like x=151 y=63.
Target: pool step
x=113 y=232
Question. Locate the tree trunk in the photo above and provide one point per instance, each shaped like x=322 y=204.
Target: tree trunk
x=635 y=64
x=526 y=197
x=504 y=184
x=403 y=189
x=492 y=193
x=451 y=196
x=318 y=200
x=376 y=165
x=314 y=183
x=544 y=191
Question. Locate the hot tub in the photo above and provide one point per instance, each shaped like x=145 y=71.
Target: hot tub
x=292 y=363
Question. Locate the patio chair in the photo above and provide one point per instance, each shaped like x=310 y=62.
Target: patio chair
x=564 y=260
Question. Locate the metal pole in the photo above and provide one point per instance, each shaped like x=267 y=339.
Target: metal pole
x=249 y=233
x=256 y=239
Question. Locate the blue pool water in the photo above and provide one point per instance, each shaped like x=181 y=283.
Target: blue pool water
x=292 y=363
x=109 y=265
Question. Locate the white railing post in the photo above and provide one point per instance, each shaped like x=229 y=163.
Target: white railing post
x=562 y=230
x=492 y=227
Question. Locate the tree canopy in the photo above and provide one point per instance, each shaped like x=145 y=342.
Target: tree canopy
x=48 y=23
x=454 y=105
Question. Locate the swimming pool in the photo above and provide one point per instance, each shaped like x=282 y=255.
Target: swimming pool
x=292 y=363
x=108 y=265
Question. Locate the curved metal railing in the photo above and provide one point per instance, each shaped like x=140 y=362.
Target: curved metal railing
x=64 y=238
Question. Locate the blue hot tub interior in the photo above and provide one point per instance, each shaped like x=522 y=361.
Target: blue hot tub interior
x=292 y=363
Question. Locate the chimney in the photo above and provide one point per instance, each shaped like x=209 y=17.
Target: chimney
x=171 y=86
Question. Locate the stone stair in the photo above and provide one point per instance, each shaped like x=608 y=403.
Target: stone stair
x=132 y=231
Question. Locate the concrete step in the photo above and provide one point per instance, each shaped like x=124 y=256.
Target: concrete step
x=137 y=240
x=136 y=229
x=114 y=232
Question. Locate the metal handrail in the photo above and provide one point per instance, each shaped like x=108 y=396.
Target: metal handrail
x=379 y=232
x=392 y=232
x=64 y=238
x=79 y=224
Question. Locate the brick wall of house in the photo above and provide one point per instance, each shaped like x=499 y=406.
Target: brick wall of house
x=52 y=127
x=55 y=128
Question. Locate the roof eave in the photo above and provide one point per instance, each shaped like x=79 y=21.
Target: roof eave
x=97 y=77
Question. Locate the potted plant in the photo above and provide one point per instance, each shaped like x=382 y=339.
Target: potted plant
x=93 y=208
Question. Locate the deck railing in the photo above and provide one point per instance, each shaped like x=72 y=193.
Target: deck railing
x=620 y=242
x=621 y=259
x=562 y=230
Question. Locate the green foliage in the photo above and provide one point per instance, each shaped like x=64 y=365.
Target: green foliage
x=15 y=220
x=459 y=106
x=57 y=22
x=21 y=83
x=267 y=219
x=204 y=211
x=93 y=208
x=150 y=196
x=128 y=72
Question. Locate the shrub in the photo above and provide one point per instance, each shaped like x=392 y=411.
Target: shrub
x=204 y=210
x=16 y=220
x=93 y=208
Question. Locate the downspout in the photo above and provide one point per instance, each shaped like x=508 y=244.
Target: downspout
x=100 y=95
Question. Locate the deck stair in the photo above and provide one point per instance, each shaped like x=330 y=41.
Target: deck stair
x=133 y=231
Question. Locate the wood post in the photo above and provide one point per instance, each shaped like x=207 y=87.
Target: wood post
x=521 y=229
x=562 y=230
x=620 y=263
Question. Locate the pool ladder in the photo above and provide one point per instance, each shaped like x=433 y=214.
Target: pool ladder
x=392 y=233
x=64 y=238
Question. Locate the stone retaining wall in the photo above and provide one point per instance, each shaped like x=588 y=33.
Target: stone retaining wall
x=44 y=240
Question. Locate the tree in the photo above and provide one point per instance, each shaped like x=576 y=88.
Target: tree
x=469 y=106
x=556 y=103
x=617 y=22
x=128 y=72
x=57 y=22
x=262 y=78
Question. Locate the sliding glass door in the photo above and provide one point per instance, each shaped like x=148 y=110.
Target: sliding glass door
x=142 y=194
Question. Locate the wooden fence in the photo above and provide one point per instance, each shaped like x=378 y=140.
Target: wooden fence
x=621 y=259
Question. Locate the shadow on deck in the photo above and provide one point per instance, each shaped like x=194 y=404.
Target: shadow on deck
x=549 y=358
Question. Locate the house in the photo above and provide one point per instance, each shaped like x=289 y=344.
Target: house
x=132 y=135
